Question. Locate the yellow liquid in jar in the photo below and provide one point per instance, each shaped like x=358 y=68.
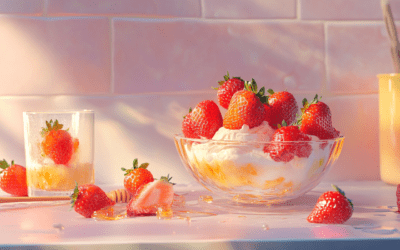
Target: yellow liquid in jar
x=389 y=127
x=54 y=177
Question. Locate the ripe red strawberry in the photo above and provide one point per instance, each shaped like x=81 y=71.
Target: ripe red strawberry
x=283 y=106
x=203 y=121
x=316 y=119
x=227 y=88
x=157 y=194
x=136 y=177
x=286 y=144
x=332 y=207
x=246 y=107
x=57 y=144
x=13 y=179
x=89 y=198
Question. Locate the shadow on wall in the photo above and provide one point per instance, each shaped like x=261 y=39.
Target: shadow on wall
x=278 y=55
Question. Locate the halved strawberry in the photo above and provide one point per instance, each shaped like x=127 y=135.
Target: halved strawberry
x=227 y=88
x=152 y=196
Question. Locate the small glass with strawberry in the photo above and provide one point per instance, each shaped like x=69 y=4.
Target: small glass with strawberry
x=59 y=151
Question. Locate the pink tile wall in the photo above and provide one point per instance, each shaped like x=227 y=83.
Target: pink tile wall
x=187 y=8
x=175 y=55
x=41 y=56
x=251 y=9
x=141 y=64
x=355 y=55
x=345 y=9
x=32 y=7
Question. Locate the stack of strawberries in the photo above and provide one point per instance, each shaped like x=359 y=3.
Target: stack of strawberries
x=246 y=105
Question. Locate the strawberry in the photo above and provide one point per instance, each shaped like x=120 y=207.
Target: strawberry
x=57 y=143
x=246 y=107
x=332 y=207
x=285 y=144
x=89 y=198
x=283 y=106
x=13 y=179
x=316 y=119
x=187 y=127
x=157 y=194
x=203 y=121
x=227 y=88
x=136 y=177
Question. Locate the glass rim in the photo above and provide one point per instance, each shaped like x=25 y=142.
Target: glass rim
x=388 y=75
x=181 y=136
x=63 y=111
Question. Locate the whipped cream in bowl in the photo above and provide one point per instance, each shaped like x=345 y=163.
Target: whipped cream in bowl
x=236 y=164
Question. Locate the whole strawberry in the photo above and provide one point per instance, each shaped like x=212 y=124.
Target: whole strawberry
x=203 y=121
x=89 y=198
x=286 y=143
x=136 y=177
x=157 y=194
x=332 y=207
x=57 y=143
x=283 y=106
x=227 y=88
x=246 y=107
x=316 y=119
x=13 y=179
x=188 y=129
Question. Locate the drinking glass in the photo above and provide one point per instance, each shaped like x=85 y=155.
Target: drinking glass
x=59 y=150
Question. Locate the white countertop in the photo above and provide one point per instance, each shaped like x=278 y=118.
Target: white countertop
x=375 y=223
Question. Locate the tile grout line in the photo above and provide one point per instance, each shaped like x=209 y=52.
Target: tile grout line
x=298 y=10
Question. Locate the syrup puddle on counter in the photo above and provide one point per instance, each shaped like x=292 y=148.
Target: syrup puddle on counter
x=178 y=210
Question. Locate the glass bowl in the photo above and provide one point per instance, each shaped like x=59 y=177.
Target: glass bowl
x=242 y=172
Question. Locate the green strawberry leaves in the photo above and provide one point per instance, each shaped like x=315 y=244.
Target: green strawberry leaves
x=135 y=166
x=252 y=86
x=342 y=193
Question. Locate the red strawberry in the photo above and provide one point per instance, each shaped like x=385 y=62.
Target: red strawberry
x=332 y=207
x=187 y=127
x=203 y=121
x=283 y=106
x=57 y=143
x=227 y=88
x=246 y=107
x=286 y=144
x=89 y=198
x=316 y=120
x=137 y=177
x=154 y=195
x=13 y=179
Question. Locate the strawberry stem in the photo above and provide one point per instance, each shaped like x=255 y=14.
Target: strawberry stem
x=74 y=196
x=135 y=166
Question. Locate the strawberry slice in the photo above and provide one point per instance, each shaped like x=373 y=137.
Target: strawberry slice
x=153 y=195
